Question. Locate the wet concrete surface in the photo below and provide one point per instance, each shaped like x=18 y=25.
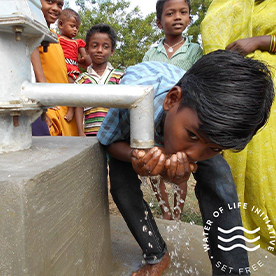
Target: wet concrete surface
x=185 y=245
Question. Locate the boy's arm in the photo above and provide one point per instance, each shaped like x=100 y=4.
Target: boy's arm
x=120 y=150
x=38 y=70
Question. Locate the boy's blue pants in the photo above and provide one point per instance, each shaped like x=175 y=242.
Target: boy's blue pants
x=215 y=189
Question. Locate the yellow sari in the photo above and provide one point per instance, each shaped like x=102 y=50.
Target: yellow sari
x=254 y=168
x=54 y=68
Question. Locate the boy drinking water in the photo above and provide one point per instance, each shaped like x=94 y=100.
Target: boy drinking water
x=100 y=46
x=220 y=103
x=173 y=17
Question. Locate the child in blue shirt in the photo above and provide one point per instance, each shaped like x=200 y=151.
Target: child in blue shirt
x=220 y=103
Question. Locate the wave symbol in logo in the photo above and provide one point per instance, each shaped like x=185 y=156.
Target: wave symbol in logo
x=235 y=237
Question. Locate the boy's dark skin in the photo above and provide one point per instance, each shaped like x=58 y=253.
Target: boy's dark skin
x=187 y=123
x=175 y=162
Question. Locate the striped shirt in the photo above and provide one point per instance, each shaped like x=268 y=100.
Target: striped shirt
x=163 y=76
x=94 y=116
x=184 y=57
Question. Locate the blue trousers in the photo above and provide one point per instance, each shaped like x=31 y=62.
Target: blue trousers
x=40 y=128
x=215 y=189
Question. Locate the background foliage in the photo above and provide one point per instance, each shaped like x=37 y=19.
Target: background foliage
x=135 y=32
x=198 y=11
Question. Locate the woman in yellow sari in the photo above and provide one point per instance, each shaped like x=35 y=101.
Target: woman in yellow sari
x=248 y=27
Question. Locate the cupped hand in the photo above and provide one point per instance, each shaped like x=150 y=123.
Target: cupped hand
x=178 y=168
x=148 y=162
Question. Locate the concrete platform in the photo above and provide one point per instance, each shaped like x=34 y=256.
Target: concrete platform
x=185 y=246
x=52 y=227
x=54 y=218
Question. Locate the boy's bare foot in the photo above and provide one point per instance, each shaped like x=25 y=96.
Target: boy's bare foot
x=154 y=269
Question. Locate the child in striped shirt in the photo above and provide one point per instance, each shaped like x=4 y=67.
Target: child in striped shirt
x=100 y=45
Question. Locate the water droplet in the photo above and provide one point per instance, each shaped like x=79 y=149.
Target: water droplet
x=176 y=234
x=146 y=213
x=145 y=228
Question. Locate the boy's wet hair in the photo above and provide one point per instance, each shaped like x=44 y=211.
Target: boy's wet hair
x=102 y=28
x=160 y=4
x=232 y=96
x=68 y=13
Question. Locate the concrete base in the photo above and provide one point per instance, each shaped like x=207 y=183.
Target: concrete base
x=185 y=245
x=54 y=217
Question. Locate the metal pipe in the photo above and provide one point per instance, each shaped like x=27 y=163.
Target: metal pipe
x=22 y=102
x=139 y=99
